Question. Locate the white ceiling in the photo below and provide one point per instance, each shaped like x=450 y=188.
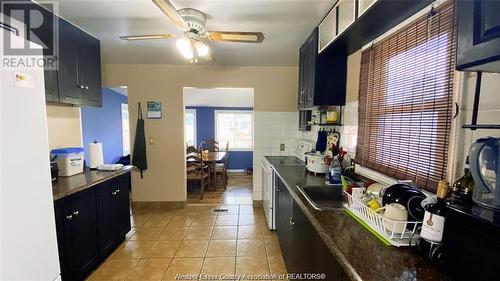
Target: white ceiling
x=285 y=24
x=218 y=97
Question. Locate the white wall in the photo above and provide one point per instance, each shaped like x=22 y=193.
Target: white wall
x=64 y=126
x=275 y=89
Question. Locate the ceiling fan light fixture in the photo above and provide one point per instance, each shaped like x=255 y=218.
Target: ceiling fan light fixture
x=185 y=46
x=201 y=49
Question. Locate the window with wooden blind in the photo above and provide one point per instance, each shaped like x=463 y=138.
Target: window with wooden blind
x=405 y=100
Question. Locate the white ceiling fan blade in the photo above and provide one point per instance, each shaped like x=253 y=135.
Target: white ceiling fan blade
x=236 y=36
x=169 y=10
x=147 y=37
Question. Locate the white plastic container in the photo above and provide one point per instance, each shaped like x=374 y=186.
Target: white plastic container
x=69 y=160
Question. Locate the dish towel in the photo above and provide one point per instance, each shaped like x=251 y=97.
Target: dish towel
x=139 y=158
x=321 y=141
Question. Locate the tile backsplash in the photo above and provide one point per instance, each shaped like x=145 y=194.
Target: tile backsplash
x=489 y=113
x=271 y=130
x=348 y=131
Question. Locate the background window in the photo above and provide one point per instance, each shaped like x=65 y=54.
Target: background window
x=405 y=100
x=235 y=127
x=190 y=127
x=125 y=130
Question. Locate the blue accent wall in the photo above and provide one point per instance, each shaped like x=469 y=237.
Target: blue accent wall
x=104 y=124
x=205 y=129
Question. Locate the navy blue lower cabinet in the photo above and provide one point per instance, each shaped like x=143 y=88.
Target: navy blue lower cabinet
x=113 y=209
x=90 y=225
x=303 y=249
x=77 y=234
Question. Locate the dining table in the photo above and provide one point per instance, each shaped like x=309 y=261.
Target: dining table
x=210 y=159
x=212 y=156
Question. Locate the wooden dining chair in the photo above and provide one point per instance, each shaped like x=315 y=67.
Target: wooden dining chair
x=221 y=168
x=192 y=149
x=210 y=145
x=197 y=171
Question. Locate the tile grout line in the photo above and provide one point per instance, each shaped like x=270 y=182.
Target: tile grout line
x=237 y=242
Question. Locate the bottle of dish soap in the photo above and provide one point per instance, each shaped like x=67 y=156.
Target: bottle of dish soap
x=335 y=171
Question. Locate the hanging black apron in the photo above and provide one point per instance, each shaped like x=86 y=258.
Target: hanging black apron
x=139 y=158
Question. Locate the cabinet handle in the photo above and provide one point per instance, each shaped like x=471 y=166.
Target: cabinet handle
x=117 y=191
x=87 y=88
x=291 y=221
x=70 y=217
x=76 y=213
x=114 y=193
x=81 y=87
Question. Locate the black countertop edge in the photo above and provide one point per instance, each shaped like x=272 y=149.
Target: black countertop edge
x=375 y=262
x=341 y=258
x=66 y=186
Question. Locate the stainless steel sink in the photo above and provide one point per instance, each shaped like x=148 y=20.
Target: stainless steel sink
x=323 y=197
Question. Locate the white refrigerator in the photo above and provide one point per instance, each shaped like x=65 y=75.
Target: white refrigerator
x=28 y=244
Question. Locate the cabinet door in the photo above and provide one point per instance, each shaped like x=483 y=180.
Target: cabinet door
x=82 y=206
x=303 y=239
x=304 y=118
x=327 y=29
x=51 y=86
x=122 y=206
x=106 y=219
x=63 y=231
x=90 y=70
x=302 y=81
x=68 y=76
x=312 y=51
x=283 y=225
x=478 y=35
x=346 y=14
x=45 y=35
x=113 y=213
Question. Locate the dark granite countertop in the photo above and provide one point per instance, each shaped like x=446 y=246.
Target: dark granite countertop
x=66 y=186
x=361 y=254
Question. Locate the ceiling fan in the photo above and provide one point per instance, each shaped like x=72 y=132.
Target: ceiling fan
x=193 y=43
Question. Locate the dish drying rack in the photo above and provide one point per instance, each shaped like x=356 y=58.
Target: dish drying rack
x=382 y=227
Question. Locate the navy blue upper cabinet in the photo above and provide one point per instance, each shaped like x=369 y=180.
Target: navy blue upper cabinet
x=90 y=69
x=322 y=77
x=478 y=35
x=69 y=84
x=79 y=67
x=77 y=81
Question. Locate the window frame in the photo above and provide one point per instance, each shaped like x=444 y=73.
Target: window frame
x=191 y=111
x=125 y=133
x=374 y=168
x=222 y=147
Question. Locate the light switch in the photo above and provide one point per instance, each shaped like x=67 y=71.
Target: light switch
x=151 y=140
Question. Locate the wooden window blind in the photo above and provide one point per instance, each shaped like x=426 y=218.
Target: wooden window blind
x=405 y=100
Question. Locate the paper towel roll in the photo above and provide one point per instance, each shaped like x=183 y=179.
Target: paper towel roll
x=95 y=155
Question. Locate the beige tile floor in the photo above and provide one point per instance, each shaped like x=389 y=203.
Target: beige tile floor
x=238 y=191
x=194 y=241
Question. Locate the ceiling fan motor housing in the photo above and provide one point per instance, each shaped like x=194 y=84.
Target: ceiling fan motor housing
x=195 y=19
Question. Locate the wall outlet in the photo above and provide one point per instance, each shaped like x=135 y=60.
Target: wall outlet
x=282 y=147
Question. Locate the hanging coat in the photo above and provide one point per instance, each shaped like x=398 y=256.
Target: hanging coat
x=139 y=158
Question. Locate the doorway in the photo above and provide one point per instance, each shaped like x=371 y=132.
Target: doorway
x=226 y=116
